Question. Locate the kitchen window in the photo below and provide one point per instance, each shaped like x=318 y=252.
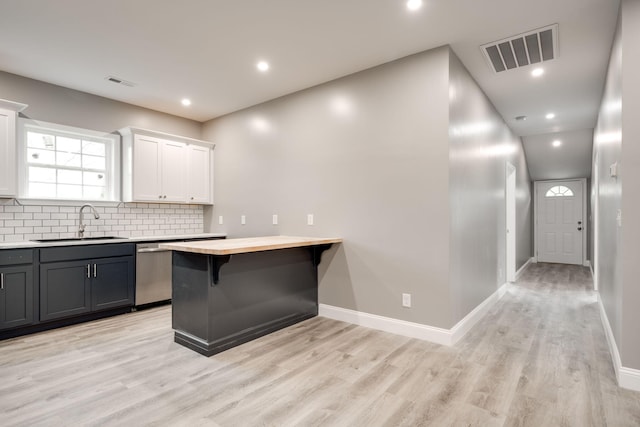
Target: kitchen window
x=65 y=163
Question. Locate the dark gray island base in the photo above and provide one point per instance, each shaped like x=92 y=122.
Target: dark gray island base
x=223 y=300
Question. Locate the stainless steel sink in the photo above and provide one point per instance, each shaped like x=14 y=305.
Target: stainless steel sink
x=77 y=239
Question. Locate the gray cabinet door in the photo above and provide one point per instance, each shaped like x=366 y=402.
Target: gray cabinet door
x=113 y=284
x=65 y=289
x=16 y=296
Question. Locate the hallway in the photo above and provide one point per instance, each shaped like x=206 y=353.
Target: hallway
x=539 y=358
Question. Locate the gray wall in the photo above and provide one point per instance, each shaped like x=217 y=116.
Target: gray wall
x=369 y=155
x=615 y=140
x=630 y=346
x=480 y=146
x=56 y=104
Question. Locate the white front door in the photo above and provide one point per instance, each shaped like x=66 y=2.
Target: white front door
x=560 y=226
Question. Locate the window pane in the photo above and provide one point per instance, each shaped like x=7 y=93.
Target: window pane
x=94 y=193
x=68 y=159
x=93 y=148
x=69 y=177
x=95 y=178
x=43 y=157
x=70 y=145
x=40 y=140
x=42 y=174
x=44 y=191
x=66 y=191
x=93 y=162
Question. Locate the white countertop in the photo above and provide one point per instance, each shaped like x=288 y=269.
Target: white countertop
x=32 y=244
x=248 y=244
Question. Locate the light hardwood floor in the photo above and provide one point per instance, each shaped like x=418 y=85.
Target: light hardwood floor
x=539 y=358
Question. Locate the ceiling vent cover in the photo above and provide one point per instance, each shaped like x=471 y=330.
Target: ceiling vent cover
x=522 y=50
x=119 y=81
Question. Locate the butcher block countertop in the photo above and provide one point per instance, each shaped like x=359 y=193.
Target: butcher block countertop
x=248 y=244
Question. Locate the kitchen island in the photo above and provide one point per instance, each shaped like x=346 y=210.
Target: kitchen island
x=228 y=292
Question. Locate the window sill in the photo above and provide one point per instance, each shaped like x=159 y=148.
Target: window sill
x=56 y=202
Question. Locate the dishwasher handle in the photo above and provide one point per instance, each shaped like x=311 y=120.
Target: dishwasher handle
x=149 y=250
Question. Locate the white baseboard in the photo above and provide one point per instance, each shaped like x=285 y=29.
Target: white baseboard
x=442 y=336
x=628 y=378
x=387 y=324
x=461 y=328
x=608 y=332
x=524 y=266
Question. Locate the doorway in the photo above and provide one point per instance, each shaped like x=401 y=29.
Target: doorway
x=510 y=201
x=560 y=226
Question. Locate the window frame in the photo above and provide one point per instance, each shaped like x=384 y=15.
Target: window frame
x=112 y=159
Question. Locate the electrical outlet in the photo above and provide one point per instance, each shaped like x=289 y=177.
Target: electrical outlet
x=406 y=300
x=274 y=219
x=220 y=221
x=243 y=219
x=310 y=219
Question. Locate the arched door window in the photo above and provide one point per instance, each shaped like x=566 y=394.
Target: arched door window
x=559 y=191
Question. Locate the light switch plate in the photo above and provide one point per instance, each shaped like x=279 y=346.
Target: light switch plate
x=274 y=219
x=243 y=219
x=310 y=219
x=220 y=220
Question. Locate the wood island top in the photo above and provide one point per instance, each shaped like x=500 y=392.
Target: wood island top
x=248 y=244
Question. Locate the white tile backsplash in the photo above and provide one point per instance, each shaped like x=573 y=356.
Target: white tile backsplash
x=18 y=223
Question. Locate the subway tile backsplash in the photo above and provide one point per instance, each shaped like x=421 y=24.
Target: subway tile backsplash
x=29 y=222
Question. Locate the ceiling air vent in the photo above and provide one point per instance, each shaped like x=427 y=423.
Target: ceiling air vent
x=522 y=50
x=119 y=81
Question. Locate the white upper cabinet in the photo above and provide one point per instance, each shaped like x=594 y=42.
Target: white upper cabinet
x=164 y=168
x=199 y=186
x=8 y=173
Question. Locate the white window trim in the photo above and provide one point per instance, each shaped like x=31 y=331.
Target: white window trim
x=25 y=123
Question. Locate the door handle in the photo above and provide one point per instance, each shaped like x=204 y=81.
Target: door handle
x=1 y=281
x=579 y=222
x=88 y=271
x=579 y=228
x=95 y=270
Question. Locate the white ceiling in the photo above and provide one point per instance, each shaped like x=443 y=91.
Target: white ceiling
x=207 y=50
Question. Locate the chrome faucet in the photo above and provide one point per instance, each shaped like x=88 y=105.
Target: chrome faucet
x=81 y=224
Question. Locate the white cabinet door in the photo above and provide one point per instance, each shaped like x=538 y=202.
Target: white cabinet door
x=8 y=153
x=199 y=172
x=146 y=169
x=172 y=171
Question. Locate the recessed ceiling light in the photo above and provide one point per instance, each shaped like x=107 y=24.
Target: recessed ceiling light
x=262 y=66
x=414 y=4
x=556 y=143
x=550 y=116
x=537 y=72
x=186 y=102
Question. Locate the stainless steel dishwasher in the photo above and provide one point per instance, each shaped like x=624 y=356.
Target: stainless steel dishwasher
x=153 y=274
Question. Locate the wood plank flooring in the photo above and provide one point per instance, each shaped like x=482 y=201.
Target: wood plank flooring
x=539 y=358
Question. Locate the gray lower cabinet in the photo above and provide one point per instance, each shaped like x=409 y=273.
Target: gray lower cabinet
x=65 y=289
x=16 y=295
x=71 y=284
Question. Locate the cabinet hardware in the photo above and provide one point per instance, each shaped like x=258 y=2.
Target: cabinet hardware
x=95 y=270
x=164 y=197
x=1 y=281
x=88 y=271
x=192 y=198
x=160 y=197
